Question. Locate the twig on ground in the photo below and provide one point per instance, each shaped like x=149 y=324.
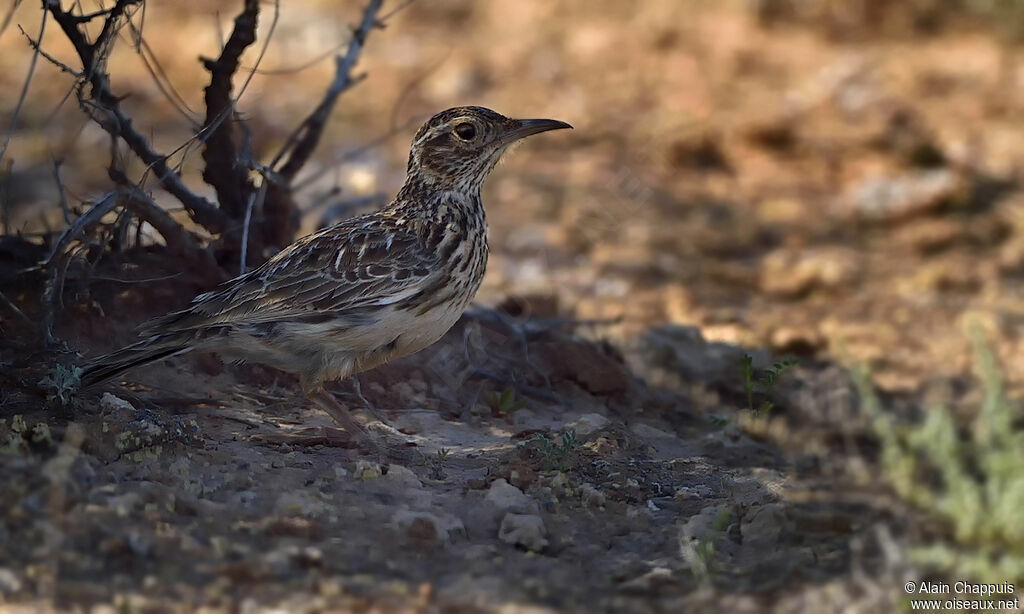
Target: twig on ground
x=15 y=309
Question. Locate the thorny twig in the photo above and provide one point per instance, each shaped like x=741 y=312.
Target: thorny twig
x=160 y=77
x=9 y=15
x=24 y=91
x=300 y=145
x=113 y=119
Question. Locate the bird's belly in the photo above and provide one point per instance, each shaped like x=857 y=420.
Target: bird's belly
x=393 y=333
x=427 y=329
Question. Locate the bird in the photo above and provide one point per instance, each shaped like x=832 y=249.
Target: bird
x=359 y=293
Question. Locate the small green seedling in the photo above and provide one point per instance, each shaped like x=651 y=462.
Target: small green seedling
x=557 y=456
x=763 y=385
x=61 y=383
x=504 y=404
x=437 y=464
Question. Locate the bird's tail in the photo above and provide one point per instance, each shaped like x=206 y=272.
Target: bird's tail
x=144 y=352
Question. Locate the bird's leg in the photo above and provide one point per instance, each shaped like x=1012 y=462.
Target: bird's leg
x=366 y=403
x=336 y=410
x=371 y=441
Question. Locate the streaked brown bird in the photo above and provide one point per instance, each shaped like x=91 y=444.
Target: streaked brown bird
x=364 y=291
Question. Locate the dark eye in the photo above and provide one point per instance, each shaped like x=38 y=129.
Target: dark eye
x=465 y=131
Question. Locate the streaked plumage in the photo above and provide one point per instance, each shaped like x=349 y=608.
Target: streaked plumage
x=357 y=294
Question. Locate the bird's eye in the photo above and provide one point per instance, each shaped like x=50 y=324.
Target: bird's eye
x=465 y=131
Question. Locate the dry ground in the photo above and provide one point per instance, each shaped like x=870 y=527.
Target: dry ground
x=729 y=189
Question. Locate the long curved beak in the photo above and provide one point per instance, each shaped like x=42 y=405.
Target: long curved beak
x=522 y=128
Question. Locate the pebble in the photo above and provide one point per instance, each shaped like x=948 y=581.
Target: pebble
x=505 y=496
x=526 y=530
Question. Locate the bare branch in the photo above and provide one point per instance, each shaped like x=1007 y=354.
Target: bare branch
x=61 y=65
x=117 y=123
x=160 y=78
x=5 y=195
x=101 y=207
x=255 y=201
x=179 y=240
x=221 y=170
x=9 y=15
x=301 y=144
x=24 y=91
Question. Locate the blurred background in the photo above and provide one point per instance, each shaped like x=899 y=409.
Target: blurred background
x=836 y=181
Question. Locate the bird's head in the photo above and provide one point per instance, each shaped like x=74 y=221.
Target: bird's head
x=457 y=148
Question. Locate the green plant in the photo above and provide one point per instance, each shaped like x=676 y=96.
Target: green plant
x=699 y=553
x=503 y=404
x=762 y=384
x=557 y=456
x=718 y=421
x=970 y=481
x=437 y=464
x=61 y=383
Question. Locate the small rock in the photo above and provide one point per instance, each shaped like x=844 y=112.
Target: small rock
x=111 y=403
x=10 y=583
x=366 y=470
x=656 y=578
x=505 y=496
x=588 y=423
x=699 y=491
x=887 y=199
x=559 y=484
x=41 y=434
x=591 y=496
x=791 y=273
x=793 y=340
x=426 y=528
x=526 y=530
x=762 y=526
x=705 y=536
x=682 y=350
x=403 y=476
x=647 y=432
x=591 y=365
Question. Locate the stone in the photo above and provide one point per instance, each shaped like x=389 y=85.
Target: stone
x=526 y=530
x=591 y=496
x=763 y=525
x=505 y=496
x=427 y=528
x=588 y=423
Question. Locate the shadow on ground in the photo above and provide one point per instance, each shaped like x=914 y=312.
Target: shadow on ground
x=550 y=469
